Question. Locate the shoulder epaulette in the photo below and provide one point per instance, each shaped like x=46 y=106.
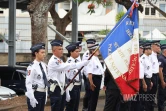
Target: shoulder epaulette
x=69 y=61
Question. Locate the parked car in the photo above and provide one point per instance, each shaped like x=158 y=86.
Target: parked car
x=13 y=78
x=6 y=93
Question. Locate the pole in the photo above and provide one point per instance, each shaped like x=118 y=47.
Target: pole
x=12 y=33
x=63 y=37
x=80 y=69
x=74 y=20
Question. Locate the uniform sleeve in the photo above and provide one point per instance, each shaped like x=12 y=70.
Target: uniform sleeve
x=141 y=65
x=56 y=66
x=161 y=62
x=90 y=67
x=29 y=78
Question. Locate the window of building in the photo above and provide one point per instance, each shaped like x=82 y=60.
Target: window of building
x=163 y=8
x=153 y=12
x=146 y=11
x=150 y=11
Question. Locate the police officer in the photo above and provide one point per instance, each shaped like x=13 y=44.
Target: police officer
x=36 y=80
x=155 y=69
x=146 y=70
x=85 y=56
x=141 y=48
x=95 y=72
x=162 y=79
x=56 y=74
x=79 y=45
x=73 y=53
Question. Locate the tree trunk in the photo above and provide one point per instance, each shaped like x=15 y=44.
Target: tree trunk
x=38 y=10
x=156 y=8
x=60 y=23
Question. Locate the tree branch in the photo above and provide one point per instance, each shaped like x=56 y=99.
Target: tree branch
x=156 y=8
x=127 y=4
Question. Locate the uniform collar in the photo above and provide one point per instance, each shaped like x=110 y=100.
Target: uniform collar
x=71 y=58
x=37 y=62
x=154 y=53
x=56 y=57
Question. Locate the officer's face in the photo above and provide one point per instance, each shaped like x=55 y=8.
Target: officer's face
x=140 y=51
x=75 y=53
x=58 y=51
x=149 y=51
x=155 y=48
x=40 y=55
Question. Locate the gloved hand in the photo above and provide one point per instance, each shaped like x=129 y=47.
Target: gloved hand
x=83 y=63
x=67 y=95
x=33 y=102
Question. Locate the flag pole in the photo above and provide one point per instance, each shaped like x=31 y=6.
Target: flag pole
x=80 y=69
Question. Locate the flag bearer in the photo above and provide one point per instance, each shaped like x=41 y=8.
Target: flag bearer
x=36 y=80
x=73 y=53
x=56 y=74
x=85 y=56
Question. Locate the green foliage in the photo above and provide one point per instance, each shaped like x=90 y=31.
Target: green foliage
x=104 y=32
x=119 y=16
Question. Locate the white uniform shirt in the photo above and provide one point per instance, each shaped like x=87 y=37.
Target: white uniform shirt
x=57 y=70
x=95 y=67
x=71 y=73
x=85 y=57
x=145 y=66
x=155 y=63
x=35 y=75
x=79 y=58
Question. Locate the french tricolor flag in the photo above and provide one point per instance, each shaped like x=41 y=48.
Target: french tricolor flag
x=120 y=51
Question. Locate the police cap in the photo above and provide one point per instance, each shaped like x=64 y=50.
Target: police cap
x=156 y=42
x=71 y=47
x=36 y=47
x=56 y=43
x=93 y=46
x=91 y=41
x=147 y=46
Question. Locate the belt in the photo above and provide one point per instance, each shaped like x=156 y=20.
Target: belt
x=41 y=89
x=77 y=83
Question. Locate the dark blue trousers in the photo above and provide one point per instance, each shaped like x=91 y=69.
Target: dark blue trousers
x=40 y=97
x=57 y=100
x=87 y=92
x=161 y=97
x=73 y=104
x=94 y=94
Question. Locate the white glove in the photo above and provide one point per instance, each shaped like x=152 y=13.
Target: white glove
x=67 y=95
x=33 y=102
x=83 y=63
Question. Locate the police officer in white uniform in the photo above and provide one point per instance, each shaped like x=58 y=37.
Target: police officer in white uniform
x=95 y=72
x=155 y=69
x=146 y=70
x=56 y=74
x=73 y=53
x=36 y=80
x=85 y=56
